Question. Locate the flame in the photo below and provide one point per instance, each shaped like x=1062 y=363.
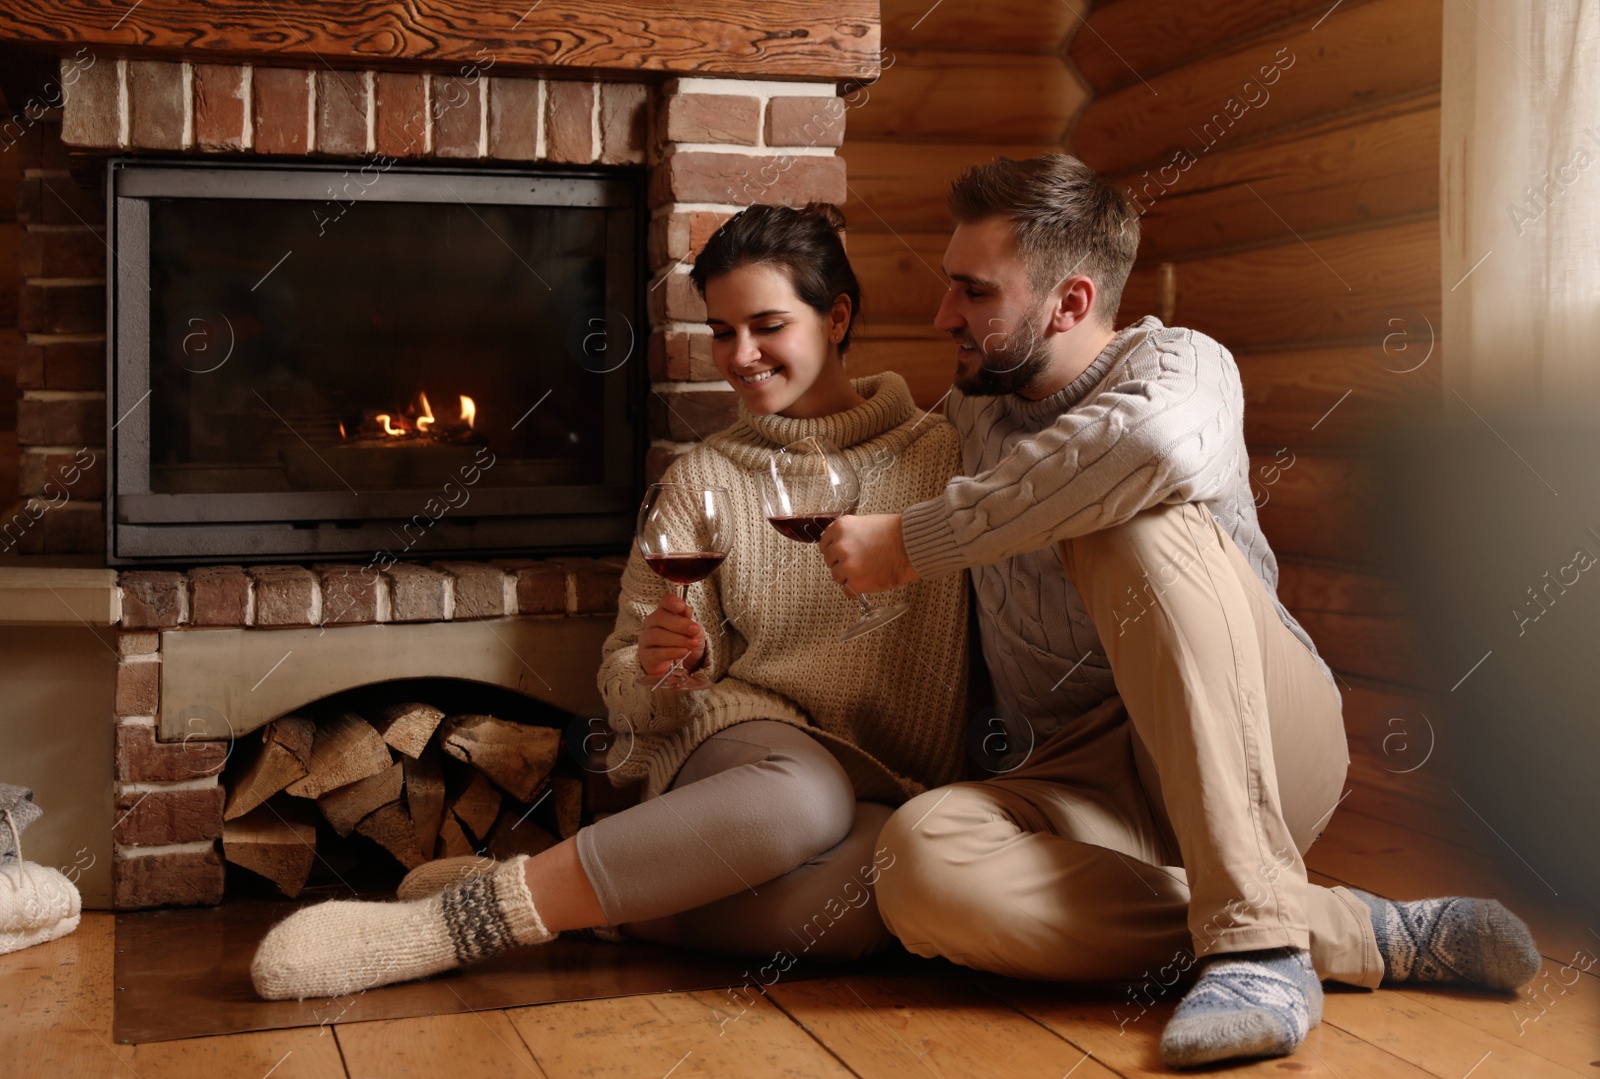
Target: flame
x=420 y=421
x=341 y=432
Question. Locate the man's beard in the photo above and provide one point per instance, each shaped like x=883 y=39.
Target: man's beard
x=1011 y=362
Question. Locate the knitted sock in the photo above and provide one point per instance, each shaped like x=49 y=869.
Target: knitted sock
x=431 y=878
x=1246 y=1004
x=342 y=947
x=1452 y=941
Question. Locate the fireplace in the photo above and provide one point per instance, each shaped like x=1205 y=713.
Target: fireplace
x=662 y=126
x=321 y=360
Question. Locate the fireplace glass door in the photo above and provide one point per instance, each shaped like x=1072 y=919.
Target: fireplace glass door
x=339 y=361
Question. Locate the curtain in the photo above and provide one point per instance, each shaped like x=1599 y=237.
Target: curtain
x=1520 y=207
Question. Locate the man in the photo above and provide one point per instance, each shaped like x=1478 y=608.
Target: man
x=1186 y=740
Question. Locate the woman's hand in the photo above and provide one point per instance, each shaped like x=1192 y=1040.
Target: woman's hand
x=670 y=633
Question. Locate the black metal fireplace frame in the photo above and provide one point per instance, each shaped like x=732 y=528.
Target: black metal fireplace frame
x=146 y=526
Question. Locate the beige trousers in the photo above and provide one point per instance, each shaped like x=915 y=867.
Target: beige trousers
x=1169 y=821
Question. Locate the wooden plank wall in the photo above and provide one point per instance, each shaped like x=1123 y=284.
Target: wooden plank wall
x=1286 y=156
x=1298 y=211
x=962 y=83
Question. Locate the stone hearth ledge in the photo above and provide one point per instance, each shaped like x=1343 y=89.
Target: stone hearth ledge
x=39 y=596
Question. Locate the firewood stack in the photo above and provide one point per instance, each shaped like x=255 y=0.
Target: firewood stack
x=393 y=778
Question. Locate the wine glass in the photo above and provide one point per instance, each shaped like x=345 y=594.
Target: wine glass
x=807 y=486
x=685 y=531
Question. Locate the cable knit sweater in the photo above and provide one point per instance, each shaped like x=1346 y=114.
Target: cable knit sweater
x=1158 y=417
x=889 y=705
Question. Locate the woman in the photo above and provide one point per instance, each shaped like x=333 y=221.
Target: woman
x=763 y=795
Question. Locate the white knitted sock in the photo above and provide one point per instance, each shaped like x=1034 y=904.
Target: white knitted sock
x=431 y=878
x=343 y=947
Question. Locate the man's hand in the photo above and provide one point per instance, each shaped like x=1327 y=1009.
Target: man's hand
x=868 y=553
x=670 y=633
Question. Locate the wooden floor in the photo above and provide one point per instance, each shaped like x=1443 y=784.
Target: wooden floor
x=56 y=1007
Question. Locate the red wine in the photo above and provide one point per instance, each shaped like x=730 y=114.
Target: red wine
x=807 y=528
x=685 y=568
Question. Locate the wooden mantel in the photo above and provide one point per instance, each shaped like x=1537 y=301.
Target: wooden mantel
x=773 y=39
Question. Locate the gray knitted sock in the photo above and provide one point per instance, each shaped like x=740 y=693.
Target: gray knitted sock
x=1452 y=941
x=344 y=947
x=19 y=802
x=1246 y=1004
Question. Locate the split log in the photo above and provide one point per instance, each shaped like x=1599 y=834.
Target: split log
x=390 y=827
x=517 y=756
x=566 y=793
x=346 y=749
x=514 y=834
x=284 y=757
x=407 y=726
x=453 y=842
x=477 y=807
x=277 y=842
x=425 y=794
x=345 y=806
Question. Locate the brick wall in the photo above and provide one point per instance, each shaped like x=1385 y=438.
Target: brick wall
x=59 y=351
x=168 y=795
x=720 y=145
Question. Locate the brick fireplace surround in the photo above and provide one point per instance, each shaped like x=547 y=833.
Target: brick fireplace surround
x=711 y=144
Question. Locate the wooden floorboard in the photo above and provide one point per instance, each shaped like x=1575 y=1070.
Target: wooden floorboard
x=1125 y=1038
x=1558 y=1020
x=891 y=1026
x=304 y=1053
x=1411 y=1028
x=728 y=1033
x=56 y=1005
x=478 y=1044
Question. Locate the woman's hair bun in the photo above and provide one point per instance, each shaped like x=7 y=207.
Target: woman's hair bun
x=829 y=213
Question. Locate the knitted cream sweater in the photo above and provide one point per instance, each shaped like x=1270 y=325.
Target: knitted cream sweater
x=888 y=704
x=1157 y=418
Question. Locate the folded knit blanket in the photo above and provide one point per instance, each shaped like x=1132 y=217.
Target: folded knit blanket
x=18 y=801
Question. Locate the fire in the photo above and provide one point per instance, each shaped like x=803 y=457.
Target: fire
x=419 y=423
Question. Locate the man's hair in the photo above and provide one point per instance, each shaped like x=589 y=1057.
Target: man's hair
x=1068 y=220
